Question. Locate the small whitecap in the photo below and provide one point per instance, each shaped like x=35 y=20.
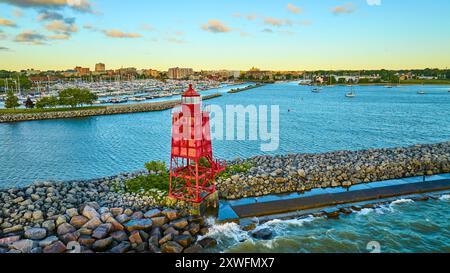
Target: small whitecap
x=365 y=211
x=227 y=232
x=445 y=197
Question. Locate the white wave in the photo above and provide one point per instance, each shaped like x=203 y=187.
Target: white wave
x=227 y=232
x=401 y=201
x=280 y=226
x=365 y=211
x=445 y=197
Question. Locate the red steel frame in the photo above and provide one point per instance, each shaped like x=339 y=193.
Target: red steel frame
x=189 y=181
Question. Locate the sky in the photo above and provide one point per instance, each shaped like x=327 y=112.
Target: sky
x=225 y=34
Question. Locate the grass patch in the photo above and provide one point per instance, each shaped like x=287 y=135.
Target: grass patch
x=235 y=169
x=48 y=110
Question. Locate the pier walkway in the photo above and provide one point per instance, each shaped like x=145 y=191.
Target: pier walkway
x=323 y=198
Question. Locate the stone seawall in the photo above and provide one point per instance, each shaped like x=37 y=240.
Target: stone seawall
x=109 y=110
x=233 y=91
x=303 y=172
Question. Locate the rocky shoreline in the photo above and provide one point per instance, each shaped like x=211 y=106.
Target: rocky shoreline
x=92 y=216
x=303 y=172
x=108 y=110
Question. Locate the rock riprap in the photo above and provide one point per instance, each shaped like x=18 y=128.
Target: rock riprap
x=91 y=228
x=303 y=172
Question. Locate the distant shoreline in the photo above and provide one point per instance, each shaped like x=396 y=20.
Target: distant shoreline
x=65 y=113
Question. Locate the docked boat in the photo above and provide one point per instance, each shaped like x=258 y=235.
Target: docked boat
x=118 y=100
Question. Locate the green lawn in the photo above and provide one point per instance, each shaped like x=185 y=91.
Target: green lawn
x=425 y=82
x=32 y=111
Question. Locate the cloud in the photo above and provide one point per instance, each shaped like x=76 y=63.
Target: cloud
x=294 y=9
x=30 y=37
x=59 y=26
x=49 y=15
x=249 y=17
x=80 y=5
x=277 y=22
x=215 y=26
x=59 y=37
x=347 y=8
x=7 y=23
x=2 y=48
x=2 y=35
x=114 y=33
x=374 y=2
x=17 y=13
x=267 y=30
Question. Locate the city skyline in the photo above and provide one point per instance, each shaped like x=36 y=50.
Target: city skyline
x=274 y=35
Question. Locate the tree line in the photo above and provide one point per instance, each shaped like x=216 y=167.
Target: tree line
x=71 y=97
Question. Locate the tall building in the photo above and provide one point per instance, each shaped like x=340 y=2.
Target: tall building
x=179 y=73
x=82 y=71
x=100 y=67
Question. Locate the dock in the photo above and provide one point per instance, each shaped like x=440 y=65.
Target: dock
x=333 y=198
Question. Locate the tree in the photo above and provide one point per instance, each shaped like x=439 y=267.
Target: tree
x=74 y=97
x=47 y=102
x=29 y=104
x=11 y=100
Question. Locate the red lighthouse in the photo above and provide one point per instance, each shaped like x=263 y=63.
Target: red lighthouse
x=192 y=169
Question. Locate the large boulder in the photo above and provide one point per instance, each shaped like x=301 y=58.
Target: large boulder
x=171 y=247
x=36 y=233
x=139 y=224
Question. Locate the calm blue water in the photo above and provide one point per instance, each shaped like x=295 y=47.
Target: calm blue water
x=399 y=227
x=100 y=146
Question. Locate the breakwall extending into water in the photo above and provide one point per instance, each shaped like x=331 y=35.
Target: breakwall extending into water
x=303 y=172
x=233 y=91
x=108 y=110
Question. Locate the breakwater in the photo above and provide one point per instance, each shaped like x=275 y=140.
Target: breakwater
x=232 y=91
x=91 y=216
x=303 y=172
x=108 y=110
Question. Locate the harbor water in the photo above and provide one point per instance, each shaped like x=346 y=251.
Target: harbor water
x=377 y=117
x=74 y=149
x=403 y=226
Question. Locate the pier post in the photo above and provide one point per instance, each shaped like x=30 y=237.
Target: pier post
x=209 y=207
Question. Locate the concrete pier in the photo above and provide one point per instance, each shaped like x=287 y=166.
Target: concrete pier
x=372 y=192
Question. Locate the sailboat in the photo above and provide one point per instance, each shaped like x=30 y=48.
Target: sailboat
x=351 y=94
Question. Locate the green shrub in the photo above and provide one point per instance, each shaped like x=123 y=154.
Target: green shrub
x=148 y=183
x=156 y=166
